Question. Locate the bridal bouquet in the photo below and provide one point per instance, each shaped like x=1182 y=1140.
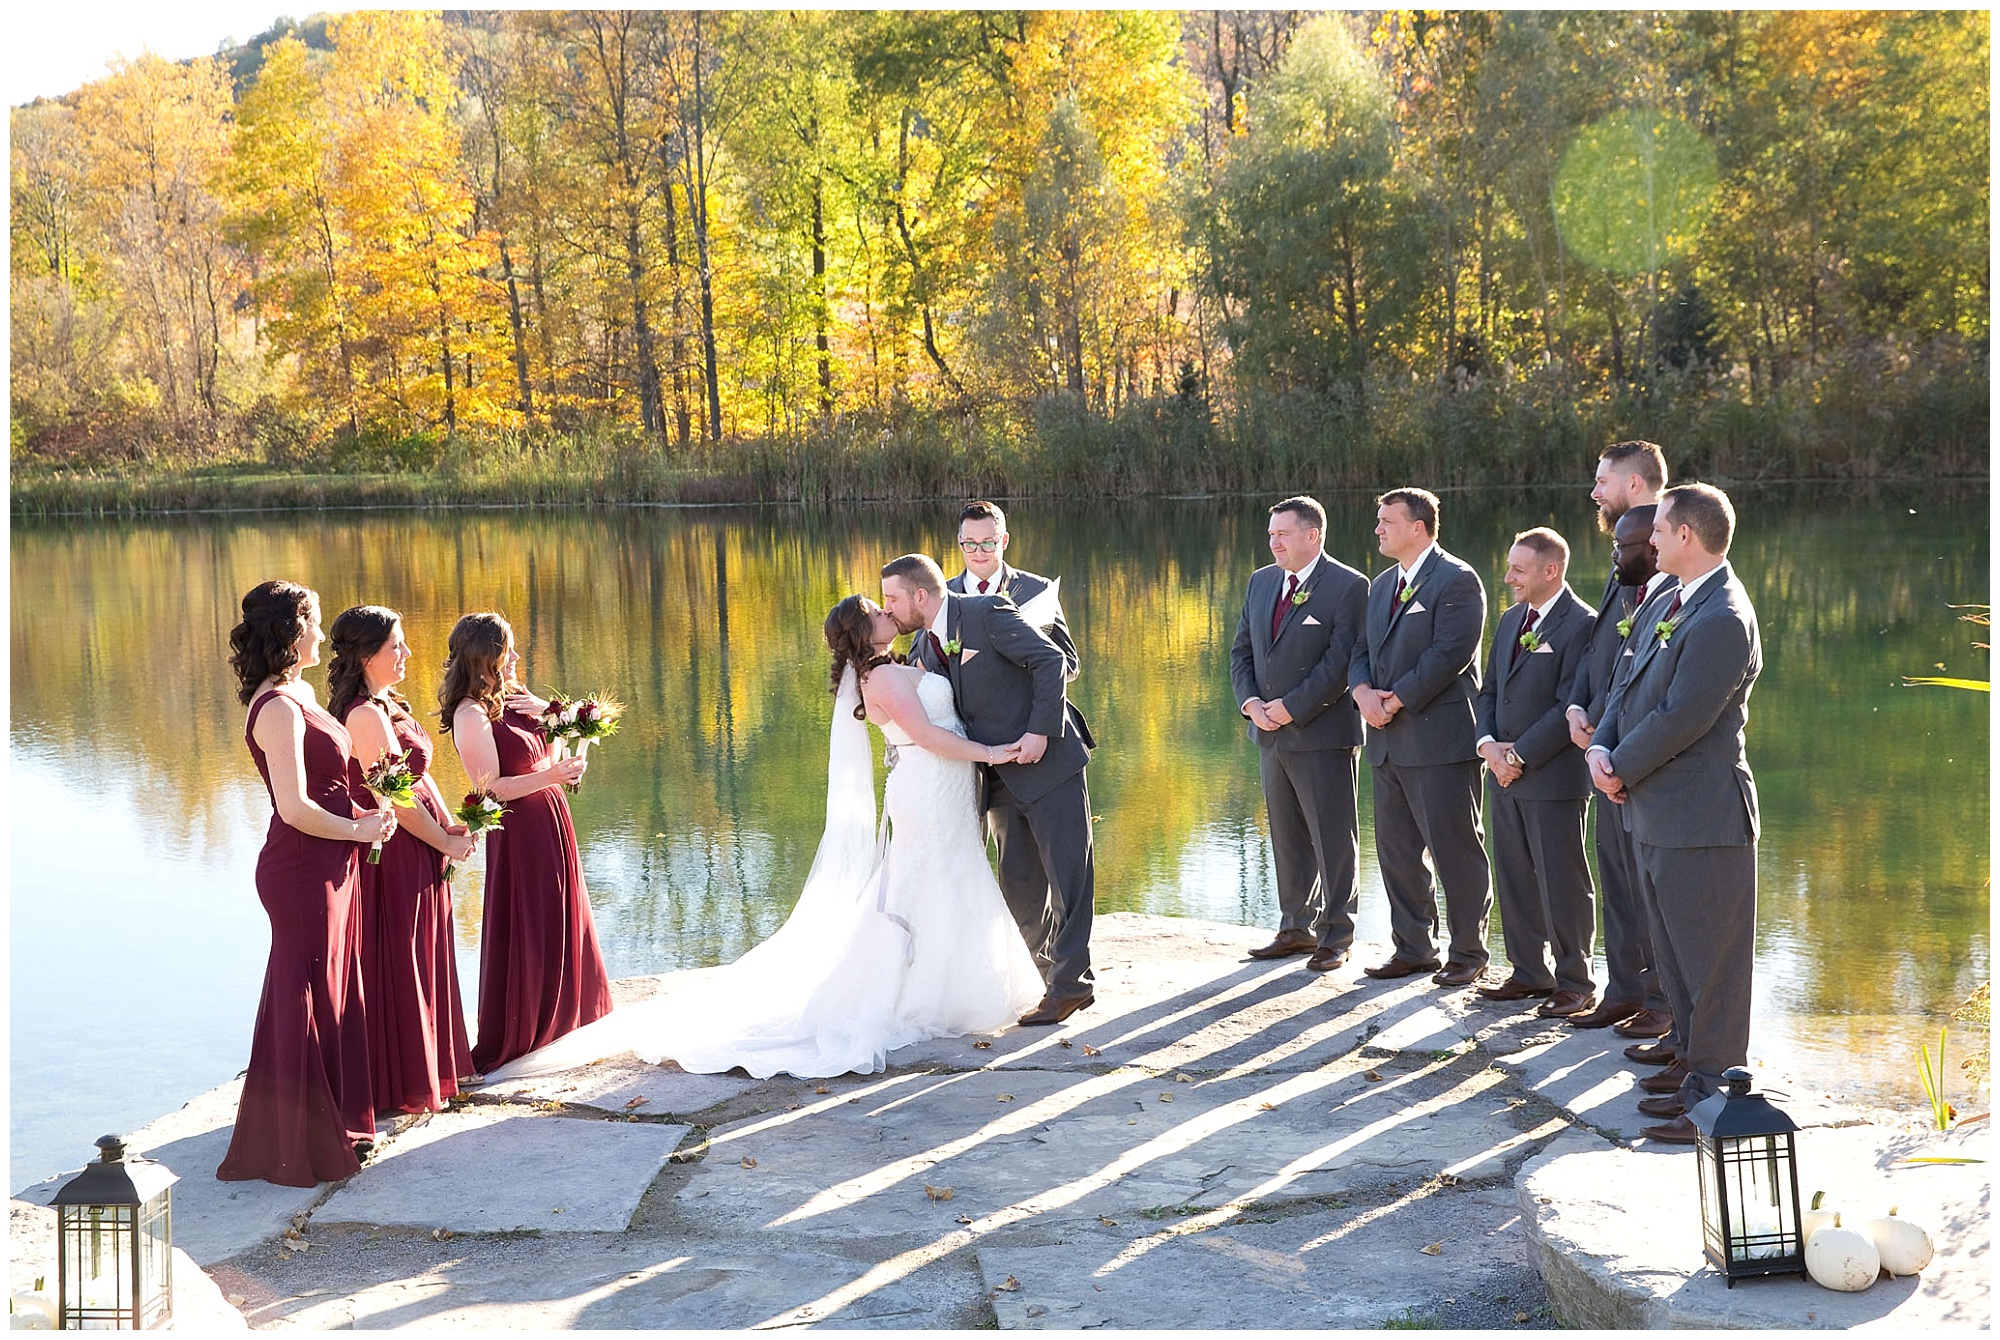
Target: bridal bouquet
x=586 y=721
x=391 y=779
x=478 y=812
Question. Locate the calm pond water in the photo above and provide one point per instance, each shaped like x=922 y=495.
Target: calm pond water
x=138 y=944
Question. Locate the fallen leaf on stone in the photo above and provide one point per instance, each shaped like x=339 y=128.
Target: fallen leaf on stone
x=1089 y=1050
x=937 y=1192
x=1107 y=1221
x=821 y=1088
x=1268 y=1107
x=234 y=1299
x=1520 y=1317
x=793 y=1107
x=1435 y=1249
x=1098 y=1287
x=1064 y=1042
x=1541 y=1200
x=1183 y=1079
x=747 y=1162
x=1372 y=1076
x=963 y=1219
x=1009 y=1285
x=981 y=1046
x=443 y=1234
x=1166 y=1098
x=640 y=1101
x=1003 y=1098
x=556 y=1210
x=854 y=1100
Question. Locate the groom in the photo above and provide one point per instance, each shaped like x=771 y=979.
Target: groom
x=1008 y=681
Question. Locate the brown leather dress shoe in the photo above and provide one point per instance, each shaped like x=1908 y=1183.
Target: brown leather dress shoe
x=1665 y=1081
x=1652 y=1053
x=1514 y=989
x=1679 y=1131
x=1609 y=1013
x=1326 y=960
x=1286 y=944
x=1666 y=1105
x=1646 y=1024
x=1458 y=974
x=1398 y=966
x=1055 y=1009
x=1565 y=1004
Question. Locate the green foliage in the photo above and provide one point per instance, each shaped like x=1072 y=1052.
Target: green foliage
x=1932 y=1078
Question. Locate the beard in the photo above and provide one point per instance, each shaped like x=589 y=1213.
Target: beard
x=1606 y=518
x=905 y=627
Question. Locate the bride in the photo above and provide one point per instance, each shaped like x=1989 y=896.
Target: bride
x=889 y=944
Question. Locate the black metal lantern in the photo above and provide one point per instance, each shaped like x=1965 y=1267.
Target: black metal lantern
x=115 y=1243
x=1749 y=1173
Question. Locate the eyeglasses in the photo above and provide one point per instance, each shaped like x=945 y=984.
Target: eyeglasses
x=979 y=546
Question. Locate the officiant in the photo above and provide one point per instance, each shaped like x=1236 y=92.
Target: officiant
x=982 y=539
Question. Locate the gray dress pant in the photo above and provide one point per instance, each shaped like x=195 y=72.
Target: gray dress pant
x=1702 y=902
x=1048 y=874
x=1628 y=938
x=1309 y=799
x=1427 y=818
x=1542 y=879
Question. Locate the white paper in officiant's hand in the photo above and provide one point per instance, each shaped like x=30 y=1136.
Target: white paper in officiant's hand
x=1043 y=611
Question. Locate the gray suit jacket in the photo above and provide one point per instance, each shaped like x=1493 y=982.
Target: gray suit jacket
x=1306 y=667
x=1524 y=697
x=1021 y=587
x=1008 y=680
x=1600 y=662
x=1426 y=650
x=1675 y=720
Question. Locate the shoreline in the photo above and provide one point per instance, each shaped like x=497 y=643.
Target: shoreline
x=1315 y=1136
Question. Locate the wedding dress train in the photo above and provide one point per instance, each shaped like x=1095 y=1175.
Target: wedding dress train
x=888 y=944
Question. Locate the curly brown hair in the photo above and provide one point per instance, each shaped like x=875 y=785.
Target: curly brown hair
x=472 y=667
x=357 y=635
x=850 y=636
x=265 y=644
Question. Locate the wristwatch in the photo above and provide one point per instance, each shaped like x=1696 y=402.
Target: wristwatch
x=1514 y=760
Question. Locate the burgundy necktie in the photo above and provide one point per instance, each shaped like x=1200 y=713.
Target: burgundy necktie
x=1527 y=627
x=982 y=586
x=937 y=650
x=1675 y=607
x=1278 y=611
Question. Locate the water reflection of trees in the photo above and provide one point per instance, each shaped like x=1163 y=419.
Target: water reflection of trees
x=699 y=820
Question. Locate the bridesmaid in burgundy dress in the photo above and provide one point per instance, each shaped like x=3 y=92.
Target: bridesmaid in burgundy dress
x=416 y=1022
x=540 y=971
x=305 y=1115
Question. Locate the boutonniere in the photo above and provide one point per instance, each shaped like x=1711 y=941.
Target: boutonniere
x=1300 y=596
x=1408 y=593
x=1625 y=627
x=951 y=648
x=1665 y=628
x=1531 y=641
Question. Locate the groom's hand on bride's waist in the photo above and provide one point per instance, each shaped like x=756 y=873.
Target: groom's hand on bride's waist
x=1030 y=748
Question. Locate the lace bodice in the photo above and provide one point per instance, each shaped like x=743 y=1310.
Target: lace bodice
x=934 y=691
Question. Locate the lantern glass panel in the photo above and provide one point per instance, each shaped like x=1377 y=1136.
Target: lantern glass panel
x=96 y=1242
x=156 y=1262
x=1750 y=1204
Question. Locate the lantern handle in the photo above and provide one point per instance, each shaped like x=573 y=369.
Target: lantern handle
x=111 y=1148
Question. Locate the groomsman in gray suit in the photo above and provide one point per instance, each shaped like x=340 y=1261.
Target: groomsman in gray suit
x=1629 y=477
x=1670 y=748
x=983 y=540
x=1414 y=675
x=1007 y=679
x=1301 y=618
x=1537 y=783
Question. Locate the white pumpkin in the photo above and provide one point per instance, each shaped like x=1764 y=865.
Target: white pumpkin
x=1813 y=1220
x=1844 y=1259
x=32 y=1310
x=1903 y=1246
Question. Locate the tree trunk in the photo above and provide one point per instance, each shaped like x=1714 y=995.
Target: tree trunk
x=698 y=212
x=822 y=346
x=520 y=334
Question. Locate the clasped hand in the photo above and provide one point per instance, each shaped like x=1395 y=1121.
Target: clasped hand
x=1028 y=749
x=1495 y=754
x=1604 y=779
x=378 y=826
x=1378 y=706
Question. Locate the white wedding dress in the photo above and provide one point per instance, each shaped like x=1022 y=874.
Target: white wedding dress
x=888 y=944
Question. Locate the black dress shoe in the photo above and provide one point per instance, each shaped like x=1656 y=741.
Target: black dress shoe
x=1458 y=974
x=1286 y=944
x=1679 y=1131
x=1514 y=989
x=1652 y=1053
x=1055 y=1009
x=1666 y=1105
x=1326 y=960
x=1398 y=966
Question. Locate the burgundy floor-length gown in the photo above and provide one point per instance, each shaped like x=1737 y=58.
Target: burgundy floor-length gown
x=306 y=1097
x=416 y=1019
x=540 y=971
